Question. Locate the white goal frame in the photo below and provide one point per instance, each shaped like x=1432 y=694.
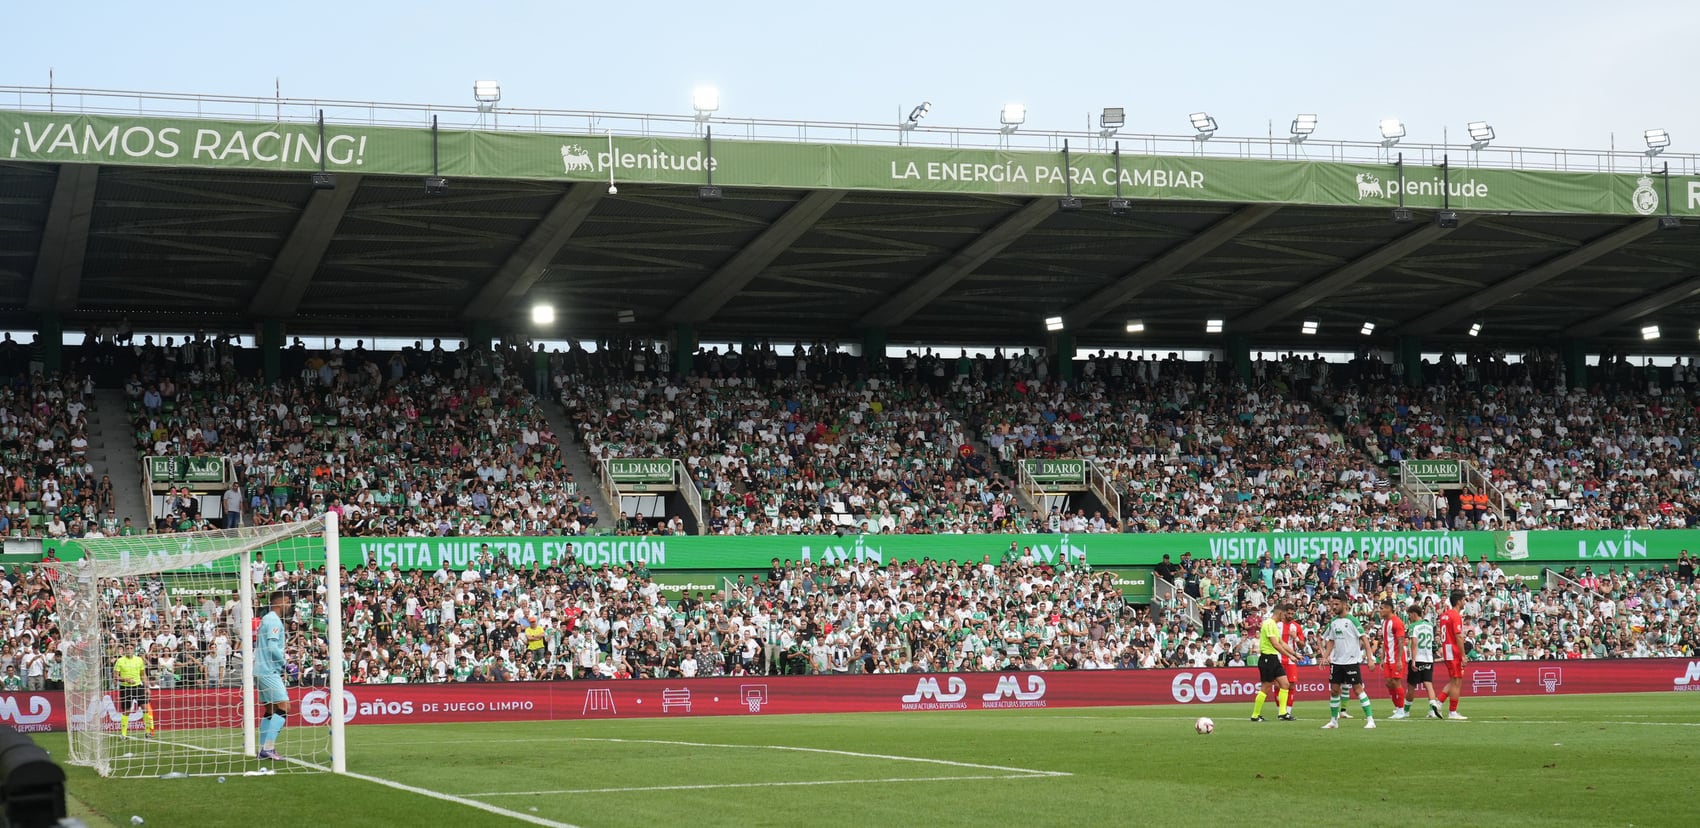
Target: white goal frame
x=85 y=631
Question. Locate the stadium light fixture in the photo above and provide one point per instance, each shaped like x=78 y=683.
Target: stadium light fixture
x=626 y=317
x=1367 y=329
x=705 y=100
x=916 y=114
x=1392 y=129
x=1204 y=124
x=1657 y=141
x=486 y=93
x=1212 y=326
x=1012 y=117
x=1303 y=126
x=1309 y=327
x=1053 y=323
x=1111 y=120
x=542 y=313
x=1650 y=332
x=1481 y=134
x=1136 y=326
x=1476 y=329
x=324 y=181
x=436 y=185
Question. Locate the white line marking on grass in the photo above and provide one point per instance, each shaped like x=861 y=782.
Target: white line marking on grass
x=1585 y=722
x=765 y=784
x=460 y=800
x=888 y=757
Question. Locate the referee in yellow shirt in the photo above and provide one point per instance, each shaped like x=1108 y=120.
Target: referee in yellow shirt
x=1270 y=648
x=131 y=671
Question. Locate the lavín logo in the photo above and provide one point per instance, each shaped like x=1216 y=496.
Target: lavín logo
x=1689 y=681
x=1369 y=186
x=1008 y=693
x=1645 y=199
x=1204 y=687
x=928 y=697
x=316 y=707
x=576 y=159
x=33 y=721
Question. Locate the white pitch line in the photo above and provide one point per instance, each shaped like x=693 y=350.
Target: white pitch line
x=764 y=784
x=460 y=800
x=887 y=757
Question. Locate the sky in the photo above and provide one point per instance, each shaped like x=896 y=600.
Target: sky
x=1550 y=74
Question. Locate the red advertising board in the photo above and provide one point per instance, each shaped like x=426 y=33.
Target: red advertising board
x=757 y=695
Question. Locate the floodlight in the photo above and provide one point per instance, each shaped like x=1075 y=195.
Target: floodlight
x=1670 y=223
x=1212 y=326
x=920 y=112
x=1012 y=117
x=1303 y=126
x=1402 y=215
x=486 y=91
x=542 y=313
x=1650 y=332
x=1112 y=119
x=1446 y=219
x=324 y=181
x=1476 y=329
x=626 y=317
x=1136 y=326
x=1069 y=204
x=1205 y=124
x=705 y=100
x=1053 y=323
x=1657 y=141
x=1309 y=327
x=436 y=185
x=1121 y=206
x=1392 y=129
x=710 y=192
x=1481 y=133
x=1367 y=329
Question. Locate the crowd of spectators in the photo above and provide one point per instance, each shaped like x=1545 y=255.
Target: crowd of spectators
x=52 y=487
x=494 y=622
x=425 y=441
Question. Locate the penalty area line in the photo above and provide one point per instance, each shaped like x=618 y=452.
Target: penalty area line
x=460 y=800
x=884 y=756
x=805 y=783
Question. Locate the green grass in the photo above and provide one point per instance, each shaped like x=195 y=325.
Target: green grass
x=1566 y=760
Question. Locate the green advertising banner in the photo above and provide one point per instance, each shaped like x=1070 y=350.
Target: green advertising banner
x=634 y=471
x=1435 y=472
x=182 y=469
x=690 y=552
x=297 y=147
x=1057 y=472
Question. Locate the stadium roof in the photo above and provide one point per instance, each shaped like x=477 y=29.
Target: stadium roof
x=168 y=221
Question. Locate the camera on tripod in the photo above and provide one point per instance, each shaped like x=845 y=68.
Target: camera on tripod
x=32 y=786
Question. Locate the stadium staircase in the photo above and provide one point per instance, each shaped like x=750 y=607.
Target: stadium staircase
x=578 y=464
x=111 y=452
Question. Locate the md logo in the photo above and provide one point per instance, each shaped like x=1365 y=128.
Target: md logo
x=1008 y=693
x=928 y=696
x=40 y=709
x=1691 y=679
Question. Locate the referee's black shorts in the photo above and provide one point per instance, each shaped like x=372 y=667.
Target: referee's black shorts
x=130 y=698
x=1269 y=667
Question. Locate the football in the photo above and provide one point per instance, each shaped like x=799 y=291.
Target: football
x=1204 y=726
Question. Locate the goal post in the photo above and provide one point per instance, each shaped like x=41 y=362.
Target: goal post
x=188 y=605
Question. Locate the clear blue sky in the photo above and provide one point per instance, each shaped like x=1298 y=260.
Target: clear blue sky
x=1556 y=73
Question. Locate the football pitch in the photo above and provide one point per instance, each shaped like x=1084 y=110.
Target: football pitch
x=1561 y=760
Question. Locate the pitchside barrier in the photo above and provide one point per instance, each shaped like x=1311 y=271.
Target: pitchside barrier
x=766 y=695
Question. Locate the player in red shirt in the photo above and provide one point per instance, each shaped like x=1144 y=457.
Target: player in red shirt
x=1390 y=641
x=1452 y=652
x=1292 y=635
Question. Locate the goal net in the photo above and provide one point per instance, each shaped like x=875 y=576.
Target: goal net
x=182 y=612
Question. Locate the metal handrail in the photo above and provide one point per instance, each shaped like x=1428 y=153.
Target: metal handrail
x=522 y=119
x=1102 y=484
x=688 y=490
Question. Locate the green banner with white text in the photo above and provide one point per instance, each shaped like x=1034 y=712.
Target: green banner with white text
x=689 y=552
x=298 y=147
